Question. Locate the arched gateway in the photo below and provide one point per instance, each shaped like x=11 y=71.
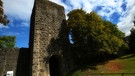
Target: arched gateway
x=46 y=22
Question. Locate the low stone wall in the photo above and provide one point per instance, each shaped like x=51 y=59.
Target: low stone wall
x=16 y=60
x=8 y=60
x=23 y=66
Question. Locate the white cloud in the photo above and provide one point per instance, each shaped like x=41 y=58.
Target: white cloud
x=2 y=26
x=126 y=22
x=18 y=8
x=22 y=9
x=11 y=33
x=61 y=3
x=25 y=24
x=88 y=5
x=126 y=16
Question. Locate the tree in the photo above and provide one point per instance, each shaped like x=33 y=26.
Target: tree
x=3 y=17
x=132 y=39
x=134 y=21
x=7 y=41
x=93 y=36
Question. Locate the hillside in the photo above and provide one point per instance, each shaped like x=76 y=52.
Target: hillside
x=124 y=64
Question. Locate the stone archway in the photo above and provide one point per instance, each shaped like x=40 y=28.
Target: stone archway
x=55 y=65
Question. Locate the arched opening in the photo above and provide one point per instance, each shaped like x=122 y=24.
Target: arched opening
x=55 y=64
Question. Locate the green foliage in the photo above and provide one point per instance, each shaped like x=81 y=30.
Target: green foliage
x=7 y=41
x=92 y=35
x=112 y=37
x=132 y=40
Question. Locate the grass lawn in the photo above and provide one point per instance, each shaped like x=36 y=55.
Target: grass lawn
x=124 y=64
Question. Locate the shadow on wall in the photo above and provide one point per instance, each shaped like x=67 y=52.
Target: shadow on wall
x=16 y=60
x=23 y=64
x=55 y=52
x=55 y=64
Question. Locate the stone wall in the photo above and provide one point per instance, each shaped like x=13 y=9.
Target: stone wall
x=46 y=21
x=23 y=63
x=8 y=60
x=47 y=46
x=16 y=60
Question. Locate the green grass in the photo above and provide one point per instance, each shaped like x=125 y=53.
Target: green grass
x=124 y=64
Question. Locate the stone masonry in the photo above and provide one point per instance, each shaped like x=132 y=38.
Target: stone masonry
x=46 y=22
x=45 y=55
x=16 y=60
x=8 y=60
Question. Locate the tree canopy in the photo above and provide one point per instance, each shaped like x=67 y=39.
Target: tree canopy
x=3 y=17
x=7 y=41
x=93 y=35
x=131 y=38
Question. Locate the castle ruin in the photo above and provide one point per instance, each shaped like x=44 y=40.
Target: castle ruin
x=45 y=56
x=45 y=40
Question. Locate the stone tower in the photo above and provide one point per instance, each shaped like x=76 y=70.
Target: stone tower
x=46 y=23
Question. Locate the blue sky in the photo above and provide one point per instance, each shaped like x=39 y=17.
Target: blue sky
x=120 y=12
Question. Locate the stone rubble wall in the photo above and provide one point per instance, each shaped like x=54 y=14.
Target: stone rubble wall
x=16 y=60
x=47 y=19
x=8 y=60
x=47 y=40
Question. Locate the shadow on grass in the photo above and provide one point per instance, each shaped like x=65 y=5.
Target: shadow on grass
x=82 y=69
x=127 y=56
x=92 y=65
x=85 y=67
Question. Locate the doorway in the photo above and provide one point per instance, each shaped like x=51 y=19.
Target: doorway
x=55 y=64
